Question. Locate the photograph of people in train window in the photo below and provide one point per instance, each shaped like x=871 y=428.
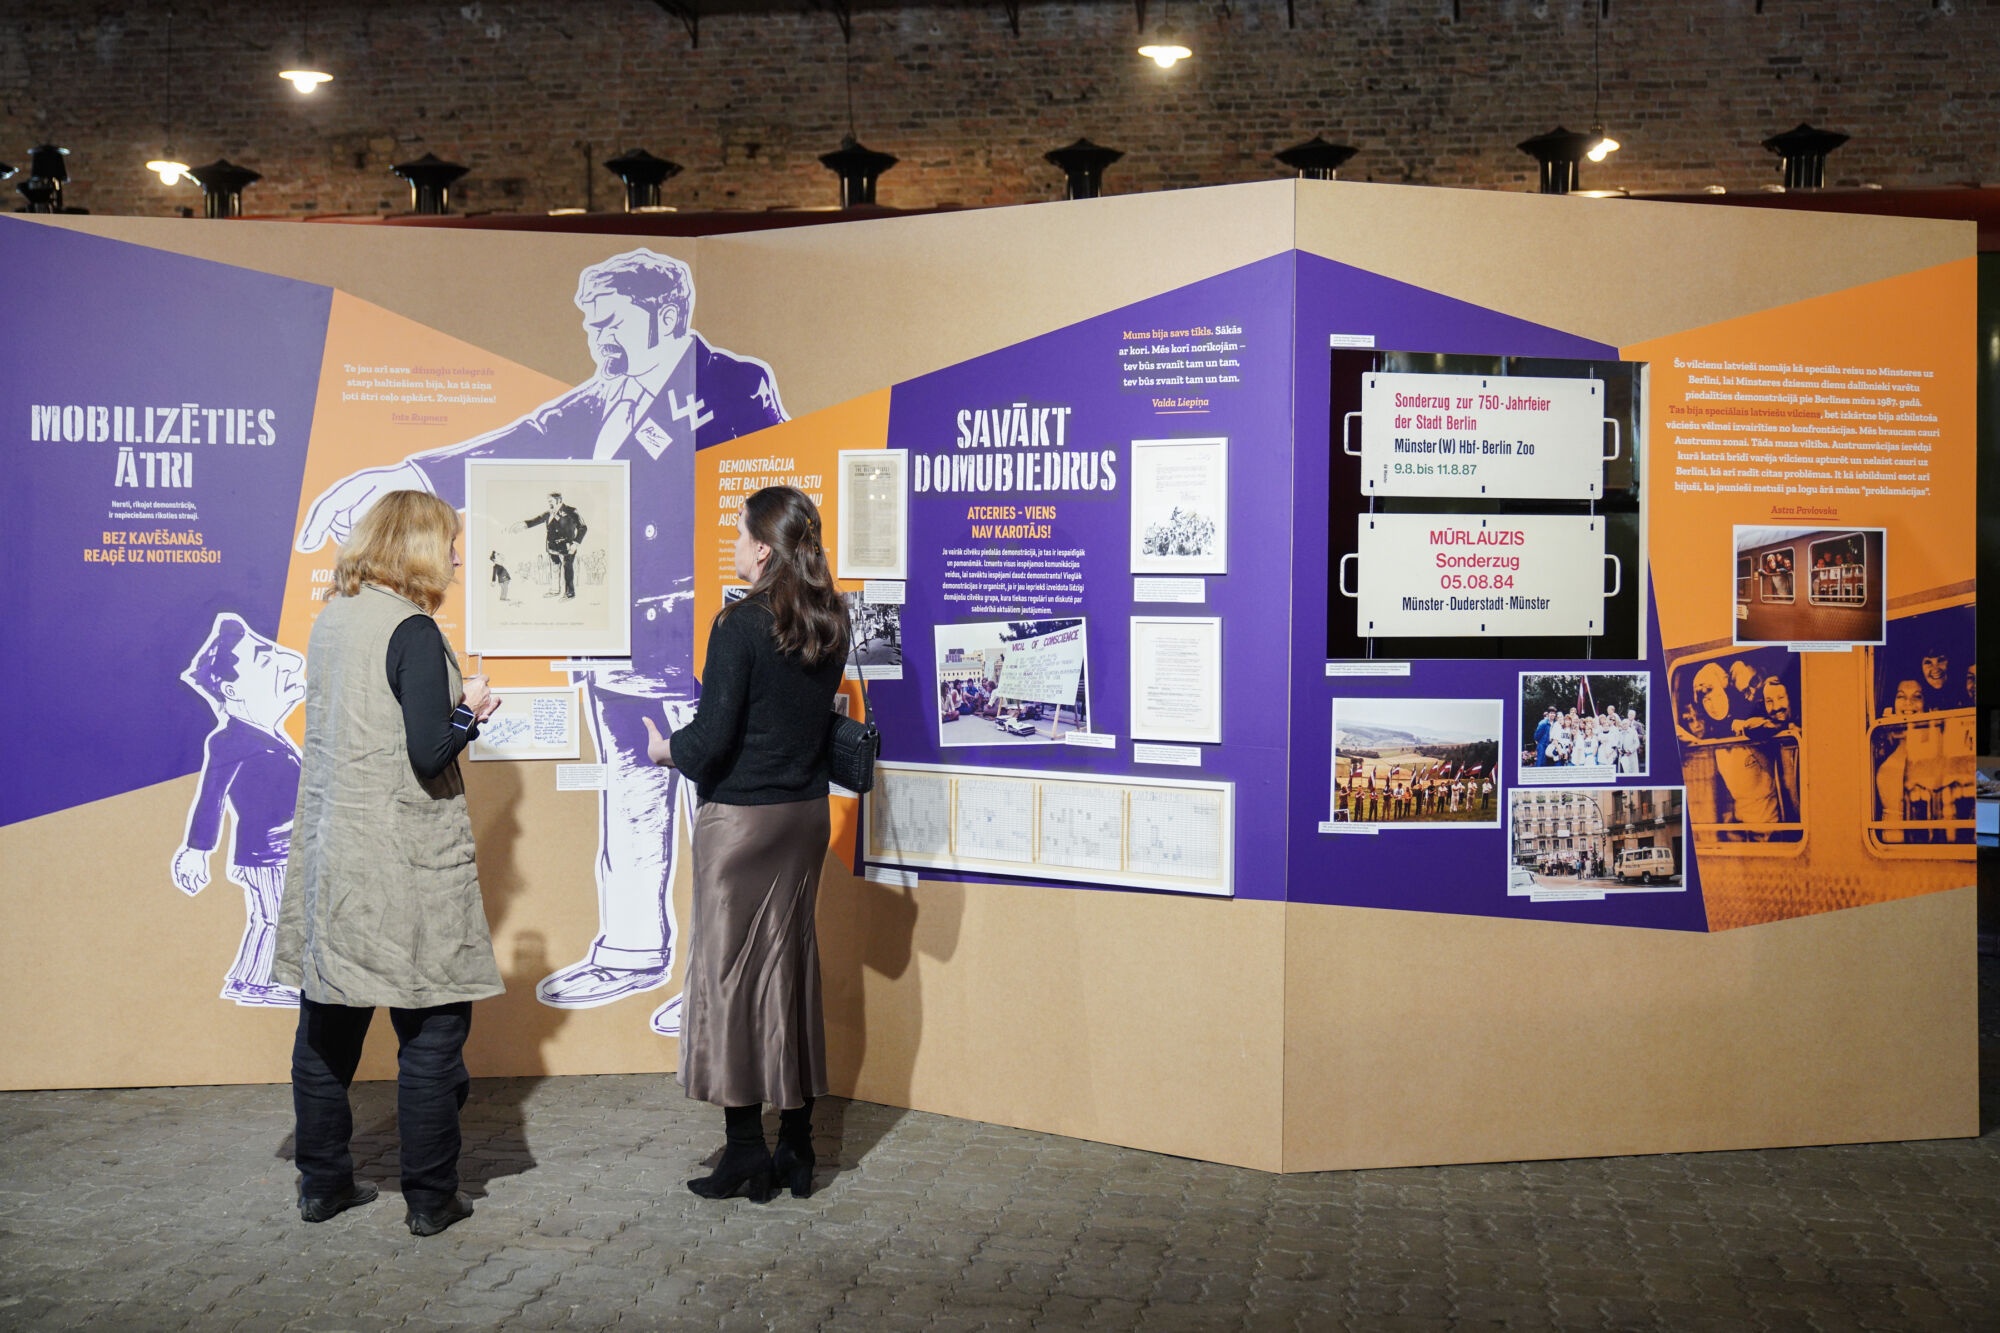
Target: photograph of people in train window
x=1739 y=717
x=1810 y=585
x=1920 y=731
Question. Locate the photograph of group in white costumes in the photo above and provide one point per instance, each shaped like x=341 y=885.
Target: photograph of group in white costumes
x=1592 y=721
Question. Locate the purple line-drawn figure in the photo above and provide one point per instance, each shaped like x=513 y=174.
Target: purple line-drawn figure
x=250 y=768
x=660 y=392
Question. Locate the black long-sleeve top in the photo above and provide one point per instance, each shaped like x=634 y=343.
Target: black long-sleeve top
x=759 y=736
x=435 y=725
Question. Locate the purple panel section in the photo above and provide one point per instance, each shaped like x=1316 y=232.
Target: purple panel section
x=107 y=338
x=1080 y=367
x=1461 y=871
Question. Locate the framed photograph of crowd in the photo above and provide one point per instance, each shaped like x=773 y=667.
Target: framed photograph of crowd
x=1180 y=506
x=548 y=558
x=1582 y=726
x=1416 y=763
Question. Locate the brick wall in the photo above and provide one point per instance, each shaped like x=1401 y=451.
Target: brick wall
x=533 y=95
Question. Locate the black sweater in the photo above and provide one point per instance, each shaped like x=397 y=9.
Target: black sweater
x=759 y=736
x=435 y=725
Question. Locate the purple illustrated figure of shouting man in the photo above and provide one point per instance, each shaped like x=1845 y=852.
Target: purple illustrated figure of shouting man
x=659 y=394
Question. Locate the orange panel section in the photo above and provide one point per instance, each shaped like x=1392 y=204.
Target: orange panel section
x=804 y=453
x=1853 y=411
x=387 y=387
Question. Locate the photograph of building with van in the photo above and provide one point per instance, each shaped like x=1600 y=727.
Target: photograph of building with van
x=1604 y=839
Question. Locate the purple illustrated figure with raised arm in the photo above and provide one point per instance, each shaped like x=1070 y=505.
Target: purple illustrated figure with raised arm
x=250 y=768
x=660 y=393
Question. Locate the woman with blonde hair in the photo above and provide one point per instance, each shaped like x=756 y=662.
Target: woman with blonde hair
x=381 y=903
x=752 y=1030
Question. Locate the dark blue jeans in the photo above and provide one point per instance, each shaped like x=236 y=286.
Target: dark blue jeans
x=431 y=1086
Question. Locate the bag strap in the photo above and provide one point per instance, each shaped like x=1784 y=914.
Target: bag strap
x=860 y=673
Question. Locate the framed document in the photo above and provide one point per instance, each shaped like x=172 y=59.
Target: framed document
x=872 y=522
x=548 y=558
x=1177 y=678
x=539 y=723
x=1180 y=506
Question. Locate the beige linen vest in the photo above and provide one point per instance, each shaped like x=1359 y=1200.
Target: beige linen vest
x=381 y=903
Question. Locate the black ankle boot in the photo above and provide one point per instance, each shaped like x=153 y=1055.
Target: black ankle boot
x=745 y=1167
x=792 y=1163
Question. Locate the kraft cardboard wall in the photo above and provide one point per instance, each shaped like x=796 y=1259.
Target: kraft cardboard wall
x=119 y=966
x=1480 y=1039
x=1144 y=1019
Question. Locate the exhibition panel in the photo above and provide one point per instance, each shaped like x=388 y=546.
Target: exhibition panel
x=1408 y=655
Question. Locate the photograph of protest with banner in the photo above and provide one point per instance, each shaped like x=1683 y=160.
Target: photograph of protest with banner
x=1415 y=763
x=1582 y=726
x=1012 y=682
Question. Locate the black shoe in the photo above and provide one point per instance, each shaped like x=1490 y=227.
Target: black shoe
x=792 y=1161
x=333 y=1205
x=745 y=1169
x=792 y=1168
x=453 y=1210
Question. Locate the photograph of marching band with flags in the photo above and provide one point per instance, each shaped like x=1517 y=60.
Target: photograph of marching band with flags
x=1579 y=727
x=1417 y=763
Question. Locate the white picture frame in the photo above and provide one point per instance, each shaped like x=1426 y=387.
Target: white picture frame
x=872 y=514
x=1180 y=506
x=524 y=597
x=535 y=722
x=1175 y=835
x=1176 y=679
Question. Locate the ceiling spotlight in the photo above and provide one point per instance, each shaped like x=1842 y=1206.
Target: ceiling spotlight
x=1166 y=55
x=170 y=173
x=305 y=80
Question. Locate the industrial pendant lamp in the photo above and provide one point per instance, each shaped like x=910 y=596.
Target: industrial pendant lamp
x=1166 y=49
x=307 y=76
x=1602 y=145
x=165 y=166
x=858 y=167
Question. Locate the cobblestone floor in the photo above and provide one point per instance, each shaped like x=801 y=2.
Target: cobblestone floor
x=171 y=1208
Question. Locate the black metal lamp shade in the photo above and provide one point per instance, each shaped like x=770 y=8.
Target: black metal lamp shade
x=222 y=184
x=858 y=168
x=1316 y=159
x=1560 y=153
x=1083 y=164
x=1804 y=151
x=430 y=179
x=643 y=175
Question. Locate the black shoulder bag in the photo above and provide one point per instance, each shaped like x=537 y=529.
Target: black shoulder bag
x=853 y=747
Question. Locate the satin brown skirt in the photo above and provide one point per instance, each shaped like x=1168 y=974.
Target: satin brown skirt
x=751 y=1025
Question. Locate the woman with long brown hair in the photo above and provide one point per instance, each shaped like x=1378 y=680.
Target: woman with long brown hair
x=381 y=903
x=751 y=1026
